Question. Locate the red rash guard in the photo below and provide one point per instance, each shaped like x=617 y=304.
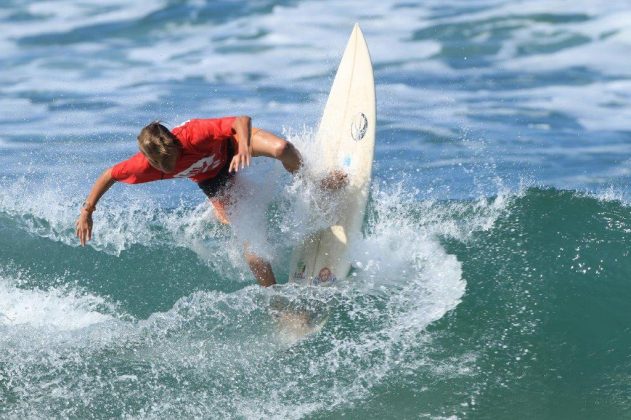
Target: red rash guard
x=204 y=153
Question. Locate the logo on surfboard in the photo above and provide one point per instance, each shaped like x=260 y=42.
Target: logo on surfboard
x=359 y=126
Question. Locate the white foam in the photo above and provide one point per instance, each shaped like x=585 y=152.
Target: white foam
x=407 y=281
x=598 y=106
x=61 y=309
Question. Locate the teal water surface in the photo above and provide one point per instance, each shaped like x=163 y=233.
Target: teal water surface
x=540 y=329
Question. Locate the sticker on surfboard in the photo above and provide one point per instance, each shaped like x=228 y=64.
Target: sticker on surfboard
x=299 y=274
x=324 y=278
x=359 y=126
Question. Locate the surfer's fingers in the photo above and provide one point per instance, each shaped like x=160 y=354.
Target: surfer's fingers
x=79 y=232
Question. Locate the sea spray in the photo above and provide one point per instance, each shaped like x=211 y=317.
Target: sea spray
x=213 y=340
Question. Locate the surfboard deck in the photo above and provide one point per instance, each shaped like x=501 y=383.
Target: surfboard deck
x=347 y=136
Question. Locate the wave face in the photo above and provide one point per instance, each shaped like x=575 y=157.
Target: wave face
x=492 y=274
x=461 y=308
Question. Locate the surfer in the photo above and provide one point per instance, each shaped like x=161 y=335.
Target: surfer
x=207 y=151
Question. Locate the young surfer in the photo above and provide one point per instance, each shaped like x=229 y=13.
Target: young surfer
x=207 y=151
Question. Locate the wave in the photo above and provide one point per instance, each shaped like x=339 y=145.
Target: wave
x=479 y=296
x=170 y=325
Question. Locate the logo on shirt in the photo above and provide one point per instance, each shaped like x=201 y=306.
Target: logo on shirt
x=203 y=165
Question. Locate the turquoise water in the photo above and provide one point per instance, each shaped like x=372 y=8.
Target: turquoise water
x=491 y=280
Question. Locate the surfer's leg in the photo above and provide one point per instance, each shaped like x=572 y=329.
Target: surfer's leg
x=219 y=201
x=261 y=268
x=267 y=144
x=217 y=190
x=219 y=204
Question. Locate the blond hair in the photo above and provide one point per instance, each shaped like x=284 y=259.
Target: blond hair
x=157 y=141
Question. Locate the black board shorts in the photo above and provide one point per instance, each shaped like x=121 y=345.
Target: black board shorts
x=212 y=187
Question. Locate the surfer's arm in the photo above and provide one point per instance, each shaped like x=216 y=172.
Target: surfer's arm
x=84 y=222
x=242 y=127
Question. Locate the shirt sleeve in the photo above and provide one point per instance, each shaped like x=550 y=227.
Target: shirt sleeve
x=202 y=132
x=135 y=170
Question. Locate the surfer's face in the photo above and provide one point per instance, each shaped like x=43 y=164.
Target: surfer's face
x=324 y=274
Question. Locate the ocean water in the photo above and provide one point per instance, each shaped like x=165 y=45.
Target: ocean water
x=492 y=279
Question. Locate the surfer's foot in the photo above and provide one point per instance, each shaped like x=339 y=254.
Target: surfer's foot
x=335 y=180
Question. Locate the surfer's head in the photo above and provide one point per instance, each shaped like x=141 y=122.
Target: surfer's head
x=159 y=146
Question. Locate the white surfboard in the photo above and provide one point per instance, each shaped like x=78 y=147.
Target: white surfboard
x=347 y=136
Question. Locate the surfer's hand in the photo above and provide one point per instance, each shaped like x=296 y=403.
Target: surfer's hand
x=241 y=159
x=84 y=227
x=334 y=180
